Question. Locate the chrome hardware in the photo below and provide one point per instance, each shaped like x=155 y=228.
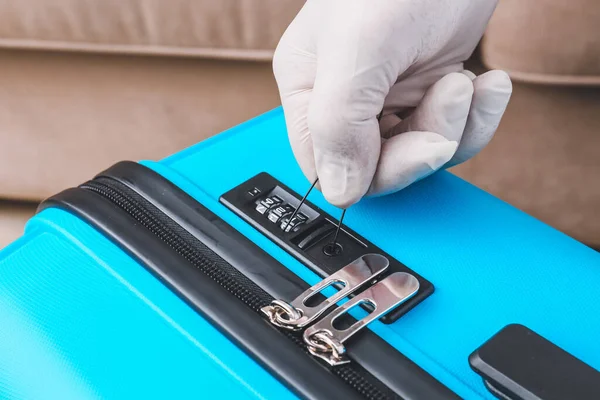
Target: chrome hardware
x=297 y=314
x=327 y=342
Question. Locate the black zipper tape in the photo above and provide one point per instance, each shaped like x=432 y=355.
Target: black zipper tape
x=215 y=268
x=354 y=379
x=105 y=200
x=223 y=310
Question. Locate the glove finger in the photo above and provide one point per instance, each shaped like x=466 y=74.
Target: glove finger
x=444 y=109
x=346 y=160
x=468 y=74
x=409 y=157
x=295 y=110
x=294 y=67
x=426 y=140
x=348 y=95
x=362 y=51
x=492 y=93
x=408 y=92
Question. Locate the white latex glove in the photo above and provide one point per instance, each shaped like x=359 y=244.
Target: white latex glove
x=343 y=62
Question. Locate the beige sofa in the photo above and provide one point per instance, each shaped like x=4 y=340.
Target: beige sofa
x=85 y=83
x=545 y=158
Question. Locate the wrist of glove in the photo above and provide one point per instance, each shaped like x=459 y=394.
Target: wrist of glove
x=376 y=98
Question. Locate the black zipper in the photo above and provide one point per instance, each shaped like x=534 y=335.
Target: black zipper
x=221 y=272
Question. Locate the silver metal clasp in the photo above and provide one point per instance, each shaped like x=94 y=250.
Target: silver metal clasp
x=326 y=341
x=297 y=314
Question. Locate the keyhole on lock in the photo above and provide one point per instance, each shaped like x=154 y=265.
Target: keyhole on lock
x=332 y=249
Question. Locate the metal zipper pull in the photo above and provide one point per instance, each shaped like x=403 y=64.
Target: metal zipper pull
x=327 y=342
x=297 y=314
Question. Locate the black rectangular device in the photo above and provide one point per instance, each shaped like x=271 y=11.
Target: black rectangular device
x=267 y=204
x=519 y=364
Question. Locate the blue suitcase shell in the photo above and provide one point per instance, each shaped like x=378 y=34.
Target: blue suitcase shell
x=81 y=318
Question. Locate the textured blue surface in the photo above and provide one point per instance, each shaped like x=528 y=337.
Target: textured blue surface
x=82 y=320
x=491 y=264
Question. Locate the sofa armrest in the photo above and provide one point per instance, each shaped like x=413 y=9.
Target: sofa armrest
x=550 y=41
x=231 y=29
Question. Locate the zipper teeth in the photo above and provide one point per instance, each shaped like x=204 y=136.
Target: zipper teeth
x=255 y=299
x=208 y=267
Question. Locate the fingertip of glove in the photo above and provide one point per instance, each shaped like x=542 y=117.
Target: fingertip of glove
x=468 y=74
x=458 y=83
x=454 y=93
x=497 y=80
x=441 y=151
x=410 y=157
x=342 y=201
x=492 y=92
x=339 y=185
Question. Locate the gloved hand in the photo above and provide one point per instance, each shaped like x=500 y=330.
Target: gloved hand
x=341 y=63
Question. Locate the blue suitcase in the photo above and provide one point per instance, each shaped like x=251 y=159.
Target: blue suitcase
x=149 y=281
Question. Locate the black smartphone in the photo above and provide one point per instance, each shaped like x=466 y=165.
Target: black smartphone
x=519 y=364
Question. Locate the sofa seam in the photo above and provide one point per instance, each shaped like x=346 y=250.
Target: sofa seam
x=139 y=49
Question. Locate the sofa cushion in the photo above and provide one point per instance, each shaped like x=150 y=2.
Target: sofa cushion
x=241 y=29
x=550 y=41
x=65 y=116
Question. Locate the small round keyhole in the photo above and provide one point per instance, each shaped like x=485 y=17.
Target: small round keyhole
x=332 y=249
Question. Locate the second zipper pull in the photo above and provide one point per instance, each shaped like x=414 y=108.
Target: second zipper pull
x=297 y=314
x=326 y=341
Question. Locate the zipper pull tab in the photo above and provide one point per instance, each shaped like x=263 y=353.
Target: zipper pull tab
x=327 y=342
x=297 y=314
